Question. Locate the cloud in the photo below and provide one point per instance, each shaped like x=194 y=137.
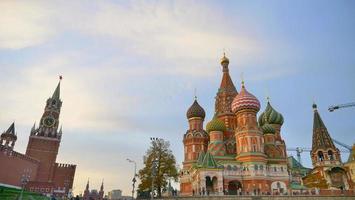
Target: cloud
x=24 y=24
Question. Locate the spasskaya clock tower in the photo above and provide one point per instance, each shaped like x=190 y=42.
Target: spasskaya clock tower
x=44 y=141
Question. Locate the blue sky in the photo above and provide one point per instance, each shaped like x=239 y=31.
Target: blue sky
x=130 y=68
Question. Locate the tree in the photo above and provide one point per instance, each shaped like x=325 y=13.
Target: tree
x=159 y=160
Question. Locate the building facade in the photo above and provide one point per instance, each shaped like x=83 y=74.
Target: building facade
x=350 y=164
x=93 y=194
x=328 y=172
x=37 y=169
x=236 y=153
x=117 y=195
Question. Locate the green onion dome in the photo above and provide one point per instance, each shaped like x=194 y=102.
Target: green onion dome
x=195 y=110
x=267 y=128
x=270 y=116
x=215 y=125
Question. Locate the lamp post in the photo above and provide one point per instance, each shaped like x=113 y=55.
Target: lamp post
x=25 y=178
x=134 y=176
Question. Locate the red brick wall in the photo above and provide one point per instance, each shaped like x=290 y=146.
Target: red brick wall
x=13 y=167
x=45 y=150
x=64 y=175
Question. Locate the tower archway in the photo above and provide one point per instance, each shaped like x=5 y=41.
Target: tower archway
x=234 y=187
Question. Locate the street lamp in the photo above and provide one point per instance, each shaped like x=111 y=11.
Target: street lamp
x=134 y=176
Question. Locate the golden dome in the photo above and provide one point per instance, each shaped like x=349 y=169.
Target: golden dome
x=224 y=59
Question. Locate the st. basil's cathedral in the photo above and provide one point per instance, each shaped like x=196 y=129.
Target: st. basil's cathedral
x=240 y=154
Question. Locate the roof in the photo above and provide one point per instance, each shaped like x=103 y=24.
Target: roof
x=296 y=186
x=11 y=129
x=245 y=100
x=321 y=138
x=208 y=161
x=270 y=116
x=195 y=110
x=56 y=94
x=352 y=155
x=294 y=163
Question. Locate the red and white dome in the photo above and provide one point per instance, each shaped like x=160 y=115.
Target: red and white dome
x=245 y=100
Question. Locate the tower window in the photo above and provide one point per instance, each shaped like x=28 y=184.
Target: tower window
x=320 y=156
x=330 y=155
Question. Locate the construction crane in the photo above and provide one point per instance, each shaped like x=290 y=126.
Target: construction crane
x=342 y=144
x=298 y=151
x=335 y=107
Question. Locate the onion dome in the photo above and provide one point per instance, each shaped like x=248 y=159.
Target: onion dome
x=215 y=125
x=224 y=60
x=195 y=110
x=267 y=128
x=245 y=100
x=270 y=116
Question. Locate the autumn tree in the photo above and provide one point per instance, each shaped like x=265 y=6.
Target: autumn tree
x=160 y=166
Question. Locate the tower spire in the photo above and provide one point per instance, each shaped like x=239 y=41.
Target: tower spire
x=322 y=143
x=56 y=94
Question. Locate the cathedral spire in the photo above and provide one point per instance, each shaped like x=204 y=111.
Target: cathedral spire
x=226 y=91
x=226 y=83
x=321 y=137
x=323 y=151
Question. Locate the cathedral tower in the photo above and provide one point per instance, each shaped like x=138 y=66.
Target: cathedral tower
x=224 y=98
x=8 y=138
x=270 y=117
x=44 y=141
x=249 y=138
x=215 y=129
x=324 y=152
x=195 y=139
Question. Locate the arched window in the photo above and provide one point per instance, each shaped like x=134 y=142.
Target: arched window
x=330 y=155
x=320 y=156
x=256 y=167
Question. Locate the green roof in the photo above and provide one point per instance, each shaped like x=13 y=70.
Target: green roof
x=296 y=186
x=206 y=160
x=215 y=125
x=267 y=128
x=270 y=116
x=200 y=157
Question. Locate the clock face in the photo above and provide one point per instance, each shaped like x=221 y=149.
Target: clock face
x=49 y=121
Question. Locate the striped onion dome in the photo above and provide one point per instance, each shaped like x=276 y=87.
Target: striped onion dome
x=267 y=128
x=215 y=125
x=195 y=110
x=270 y=116
x=245 y=100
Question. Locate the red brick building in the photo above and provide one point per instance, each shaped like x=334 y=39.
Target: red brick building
x=38 y=164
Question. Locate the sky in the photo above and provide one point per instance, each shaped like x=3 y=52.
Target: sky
x=130 y=69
